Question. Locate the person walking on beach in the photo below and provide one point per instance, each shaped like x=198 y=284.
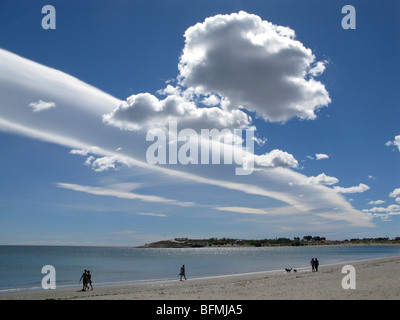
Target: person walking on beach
x=312 y=262
x=316 y=264
x=182 y=273
x=84 y=279
x=89 y=280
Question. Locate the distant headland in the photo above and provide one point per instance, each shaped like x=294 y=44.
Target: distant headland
x=296 y=241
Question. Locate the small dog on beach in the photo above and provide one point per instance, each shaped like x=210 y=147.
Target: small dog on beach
x=288 y=270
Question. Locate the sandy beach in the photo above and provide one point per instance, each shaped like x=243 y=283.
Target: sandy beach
x=376 y=279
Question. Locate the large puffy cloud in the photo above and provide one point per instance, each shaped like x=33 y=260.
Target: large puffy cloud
x=231 y=62
x=228 y=63
x=253 y=64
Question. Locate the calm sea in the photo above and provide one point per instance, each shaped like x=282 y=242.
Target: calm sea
x=20 y=266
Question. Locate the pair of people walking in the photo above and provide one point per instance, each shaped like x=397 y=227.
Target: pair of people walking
x=86 y=279
x=314 y=264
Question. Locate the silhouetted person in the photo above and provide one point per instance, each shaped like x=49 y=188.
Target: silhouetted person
x=183 y=273
x=89 y=280
x=84 y=279
x=316 y=264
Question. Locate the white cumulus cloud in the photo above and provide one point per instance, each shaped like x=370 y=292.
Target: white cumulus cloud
x=253 y=64
x=276 y=158
x=395 y=142
x=395 y=194
x=102 y=163
x=376 y=202
x=322 y=179
x=357 y=189
x=384 y=213
x=320 y=156
x=145 y=111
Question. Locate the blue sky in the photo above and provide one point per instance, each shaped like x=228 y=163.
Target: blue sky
x=323 y=101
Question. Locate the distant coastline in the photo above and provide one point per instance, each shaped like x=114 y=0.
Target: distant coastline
x=277 y=242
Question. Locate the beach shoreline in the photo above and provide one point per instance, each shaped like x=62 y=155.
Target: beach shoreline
x=375 y=279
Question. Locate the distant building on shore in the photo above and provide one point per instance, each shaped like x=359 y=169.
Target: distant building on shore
x=181 y=239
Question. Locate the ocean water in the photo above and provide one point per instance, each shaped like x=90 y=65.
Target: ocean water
x=20 y=266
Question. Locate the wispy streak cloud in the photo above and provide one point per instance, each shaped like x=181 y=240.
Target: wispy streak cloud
x=103 y=191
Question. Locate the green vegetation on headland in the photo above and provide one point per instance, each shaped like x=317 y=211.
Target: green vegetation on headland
x=296 y=241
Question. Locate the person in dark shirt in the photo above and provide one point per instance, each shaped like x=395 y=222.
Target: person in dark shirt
x=183 y=273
